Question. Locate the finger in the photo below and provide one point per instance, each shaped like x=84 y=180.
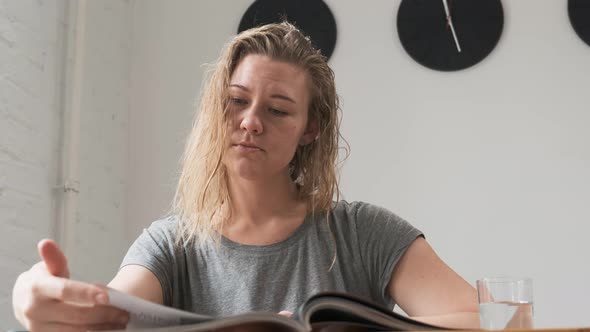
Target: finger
x=57 y=327
x=286 y=313
x=72 y=314
x=68 y=290
x=54 y=258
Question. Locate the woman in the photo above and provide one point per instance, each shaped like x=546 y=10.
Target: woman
x=254 y=226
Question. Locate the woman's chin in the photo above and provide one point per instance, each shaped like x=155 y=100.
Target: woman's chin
x=254 y=171
x=248 y=173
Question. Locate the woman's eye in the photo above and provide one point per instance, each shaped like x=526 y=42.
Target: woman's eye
x=277 y=112
x=237 y=101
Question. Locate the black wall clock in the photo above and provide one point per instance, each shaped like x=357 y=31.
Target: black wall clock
x=313 y=17
x=453 y=41
x=579 y=14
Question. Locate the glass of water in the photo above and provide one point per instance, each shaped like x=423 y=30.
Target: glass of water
x=505 y=303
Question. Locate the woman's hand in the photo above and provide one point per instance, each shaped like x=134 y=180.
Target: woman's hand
x=44 y=299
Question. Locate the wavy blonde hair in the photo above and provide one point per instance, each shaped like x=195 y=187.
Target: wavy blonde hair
x=202 y=202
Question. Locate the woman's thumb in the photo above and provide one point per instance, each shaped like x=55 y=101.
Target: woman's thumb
x=54 y=258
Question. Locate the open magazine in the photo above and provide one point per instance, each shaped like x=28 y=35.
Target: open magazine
x=321 y=312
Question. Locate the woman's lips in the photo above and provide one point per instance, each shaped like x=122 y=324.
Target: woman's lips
x=247 y=148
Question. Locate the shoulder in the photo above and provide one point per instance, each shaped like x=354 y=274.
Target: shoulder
x=160 y=232
x=369 y=218
x=362 y=211
x=168 y=224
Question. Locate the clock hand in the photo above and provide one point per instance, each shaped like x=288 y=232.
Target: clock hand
x=450 y=23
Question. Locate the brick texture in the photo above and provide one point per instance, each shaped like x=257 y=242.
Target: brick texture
x=32 y=53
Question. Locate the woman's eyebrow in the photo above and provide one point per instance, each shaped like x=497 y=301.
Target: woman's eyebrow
x=276 y=95
x=239 y=86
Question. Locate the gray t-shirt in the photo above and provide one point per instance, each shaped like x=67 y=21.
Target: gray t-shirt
x=233 y=278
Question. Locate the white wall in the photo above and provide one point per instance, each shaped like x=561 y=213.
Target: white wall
x=100 y=226
x=492 y=163
x=33 y=73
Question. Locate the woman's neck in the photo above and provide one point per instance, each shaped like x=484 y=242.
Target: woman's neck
x=260 y=201
x=263 y=212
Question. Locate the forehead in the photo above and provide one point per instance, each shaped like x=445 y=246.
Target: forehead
x=259 y=72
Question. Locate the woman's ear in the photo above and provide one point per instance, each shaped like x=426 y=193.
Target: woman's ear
x=311 y=132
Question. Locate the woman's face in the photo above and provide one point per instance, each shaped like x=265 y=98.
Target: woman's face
x=268 y=112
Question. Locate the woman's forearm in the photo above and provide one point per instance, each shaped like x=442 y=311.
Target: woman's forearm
x=457 y=320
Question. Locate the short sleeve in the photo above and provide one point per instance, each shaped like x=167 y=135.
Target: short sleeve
x=154 y=250
x=383 y=238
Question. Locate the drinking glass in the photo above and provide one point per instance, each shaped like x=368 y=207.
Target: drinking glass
x=505 y=303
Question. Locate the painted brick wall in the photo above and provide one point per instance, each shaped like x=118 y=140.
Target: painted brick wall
x=33 y=37
x=31 y=51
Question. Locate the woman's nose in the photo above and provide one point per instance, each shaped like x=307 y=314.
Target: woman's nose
x=251 y=122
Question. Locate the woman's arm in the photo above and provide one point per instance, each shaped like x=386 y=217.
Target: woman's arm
x=138 y=281
x=430 y=291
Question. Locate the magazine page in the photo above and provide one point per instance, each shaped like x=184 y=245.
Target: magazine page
x=144 y=314
x=327 y=307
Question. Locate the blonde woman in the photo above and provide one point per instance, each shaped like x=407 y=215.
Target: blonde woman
x=254 y=225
